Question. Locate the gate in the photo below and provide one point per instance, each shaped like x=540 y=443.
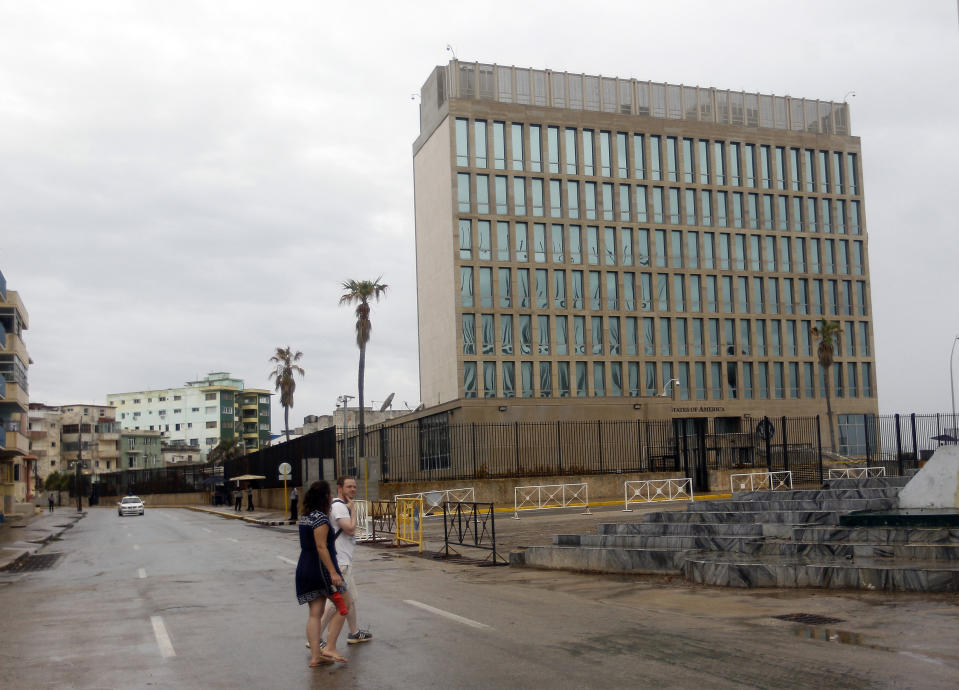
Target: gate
x=790 y=444
x=690 y=441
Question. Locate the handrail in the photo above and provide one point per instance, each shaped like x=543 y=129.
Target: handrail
x=550 y=496
x=649 y=490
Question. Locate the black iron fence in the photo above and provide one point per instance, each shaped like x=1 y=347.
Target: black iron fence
x=158 y=480
x=472 y=525
x=434 y=449
x=266 y=462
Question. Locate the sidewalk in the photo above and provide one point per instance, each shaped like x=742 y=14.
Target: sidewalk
x=34 y=531
x=269 y=518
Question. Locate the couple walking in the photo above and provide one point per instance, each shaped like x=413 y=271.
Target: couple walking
x=325 y=569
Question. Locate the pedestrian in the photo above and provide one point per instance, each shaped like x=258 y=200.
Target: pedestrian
x=237 y=499
x=318 y=576
x=343 y=518
x=294 y=497
x=50 y=501
x=249 y=497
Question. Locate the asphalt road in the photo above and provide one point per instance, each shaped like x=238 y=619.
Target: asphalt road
x=177 y=599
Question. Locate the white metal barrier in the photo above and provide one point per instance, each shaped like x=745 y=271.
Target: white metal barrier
x=856 y=472
x=364 y=523
x=757 y=481
x=550 y=496
x=649 y=490
x=433 y=500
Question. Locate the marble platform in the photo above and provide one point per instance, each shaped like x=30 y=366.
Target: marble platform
x=770 y=539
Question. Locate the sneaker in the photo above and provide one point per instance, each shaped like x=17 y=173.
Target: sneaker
x=359 y=636
x=322 y=644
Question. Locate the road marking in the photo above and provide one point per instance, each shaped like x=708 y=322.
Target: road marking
x=447 y=614
x=163 y=640
x=207 y=529
x=136 y=547
x=286 y=560
x=235 y=541
x=142 y=573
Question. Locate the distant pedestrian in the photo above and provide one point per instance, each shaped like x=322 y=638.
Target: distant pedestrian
x=317 y=573
x=294 y=497
x=237 y=499
x=50 y=501
x=343 y=519
x=249 y=498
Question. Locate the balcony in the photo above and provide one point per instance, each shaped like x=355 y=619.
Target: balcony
x=13 y=343
x=16 y=443
x=15 y=395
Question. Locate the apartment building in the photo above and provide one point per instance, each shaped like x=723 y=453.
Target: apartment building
x=604 y=248
x=17 y=465
x=200 y=414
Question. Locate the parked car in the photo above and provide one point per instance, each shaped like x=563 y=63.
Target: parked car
x=130 y=505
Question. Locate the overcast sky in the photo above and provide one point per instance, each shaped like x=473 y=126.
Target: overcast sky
x=184 y=185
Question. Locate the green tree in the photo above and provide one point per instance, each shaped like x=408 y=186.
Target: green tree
x=226 y=449
x=360 y=292
x=285 y=361
x=828 y=333
x=54 y=482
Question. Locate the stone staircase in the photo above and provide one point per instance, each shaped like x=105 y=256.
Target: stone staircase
x=770 y=539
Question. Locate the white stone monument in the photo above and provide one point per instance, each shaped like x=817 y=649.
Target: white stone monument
x=936 y=485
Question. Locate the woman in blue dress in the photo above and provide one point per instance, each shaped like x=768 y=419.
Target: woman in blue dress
x=317 y=573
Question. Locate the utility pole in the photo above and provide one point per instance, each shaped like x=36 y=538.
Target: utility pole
x=76 y=484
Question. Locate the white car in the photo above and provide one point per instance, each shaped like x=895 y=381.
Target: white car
x=130 y=505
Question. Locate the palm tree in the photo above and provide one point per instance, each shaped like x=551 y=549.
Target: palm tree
x=286 y=366
x=360 y=292
x=828 y=333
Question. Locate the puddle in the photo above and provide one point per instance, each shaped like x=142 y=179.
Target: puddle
x=829 y=635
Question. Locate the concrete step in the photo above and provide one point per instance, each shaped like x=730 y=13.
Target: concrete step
x=716 y=517
x=739 y=570
x=787 y=505
x=930 y=536
x=666 y=542
x=850 y=551
x=681 y=529
x=817 y=494
x=599 y=559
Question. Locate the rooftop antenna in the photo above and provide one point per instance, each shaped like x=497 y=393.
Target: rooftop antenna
x=450 y=50
x=387 y=403
x=848 y=95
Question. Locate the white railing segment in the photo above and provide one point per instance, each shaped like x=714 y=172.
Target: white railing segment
x=757 y=481
x=550 y=496
x=364 y=523
x=433 y=500
x=856 y=472
x=649 y=490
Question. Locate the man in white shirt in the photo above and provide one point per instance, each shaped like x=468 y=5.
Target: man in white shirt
x=343 y=519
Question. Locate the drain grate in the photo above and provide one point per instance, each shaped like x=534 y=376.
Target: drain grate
x=809 y=619
x=30 y=563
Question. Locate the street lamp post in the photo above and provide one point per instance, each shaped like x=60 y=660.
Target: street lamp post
x=952 y=383
x=79 y=463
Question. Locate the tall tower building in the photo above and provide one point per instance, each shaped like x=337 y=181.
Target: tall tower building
x=603 y=248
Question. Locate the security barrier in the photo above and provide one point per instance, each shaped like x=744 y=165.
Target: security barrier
x=856 y=472
x=550 y=496
x=650 y=490
x=409 y=521
x=382 y=520
x=433 y=501
x=364 y=523
x=757 y=481
x=472 y=525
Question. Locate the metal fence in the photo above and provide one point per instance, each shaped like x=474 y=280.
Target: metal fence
x=434 y=449
x=159 y=480
x=897 y=442
x=266 y=462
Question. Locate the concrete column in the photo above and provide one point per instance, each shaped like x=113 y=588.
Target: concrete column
x=329 y=470
x=369 y=479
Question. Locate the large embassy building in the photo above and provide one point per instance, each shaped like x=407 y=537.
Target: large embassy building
x=602 y=248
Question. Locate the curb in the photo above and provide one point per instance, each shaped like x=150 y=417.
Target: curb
x=245 y=518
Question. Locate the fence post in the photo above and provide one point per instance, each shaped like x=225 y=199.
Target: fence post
x=639 y=445
x=915 y=446
x=559 y=447
x=769 y=451
x=473 y=441
x=785 y=445
x=516 y=445
x=899 y=447
x=819 y=446
x=599 y=439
